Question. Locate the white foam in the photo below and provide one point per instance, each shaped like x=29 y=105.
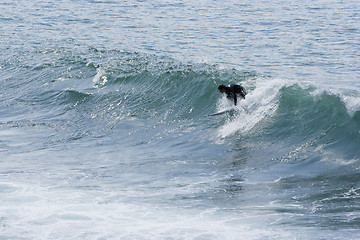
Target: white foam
x=352 y=103
x=37 y=212
x=100 y=79
x=260 y=103
x=350 y=97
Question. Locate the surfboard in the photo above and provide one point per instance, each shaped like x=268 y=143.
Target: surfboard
x=223 y=112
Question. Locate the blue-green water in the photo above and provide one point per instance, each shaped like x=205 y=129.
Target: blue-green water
x=105 y=133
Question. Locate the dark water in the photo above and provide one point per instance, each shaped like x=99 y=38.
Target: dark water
x=105 y=133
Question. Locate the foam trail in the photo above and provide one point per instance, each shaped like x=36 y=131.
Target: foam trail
x=259 y=104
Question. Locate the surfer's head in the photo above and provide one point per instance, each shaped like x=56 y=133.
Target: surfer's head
x=222 y=88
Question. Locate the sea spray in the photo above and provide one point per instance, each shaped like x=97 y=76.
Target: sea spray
x=259 y=104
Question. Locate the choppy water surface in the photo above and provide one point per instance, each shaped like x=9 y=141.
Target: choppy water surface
x=105 y=130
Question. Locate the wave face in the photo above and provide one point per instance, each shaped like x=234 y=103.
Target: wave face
x=85 y=122
x=283 y=111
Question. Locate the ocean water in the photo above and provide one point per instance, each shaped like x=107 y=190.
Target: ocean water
x=105 y=130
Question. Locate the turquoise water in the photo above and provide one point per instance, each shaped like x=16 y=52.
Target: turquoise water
x=105 y=130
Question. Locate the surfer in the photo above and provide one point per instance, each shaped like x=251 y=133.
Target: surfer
x=232 y=91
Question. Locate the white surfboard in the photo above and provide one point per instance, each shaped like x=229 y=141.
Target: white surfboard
x=223 y=112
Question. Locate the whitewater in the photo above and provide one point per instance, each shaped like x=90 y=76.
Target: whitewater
x=107 y=128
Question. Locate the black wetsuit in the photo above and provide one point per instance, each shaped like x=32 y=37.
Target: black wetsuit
x=233 y=90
